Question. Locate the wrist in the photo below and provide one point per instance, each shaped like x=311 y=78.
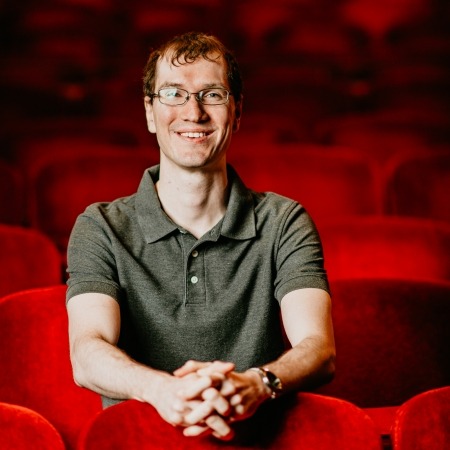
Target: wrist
x=272 y=384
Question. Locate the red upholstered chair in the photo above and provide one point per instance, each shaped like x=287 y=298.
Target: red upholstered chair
x=421 y=187
x=63 y=189
x=309 y=422
x=392 y=340
x=386 y=247
x=36 y=371
x=22 y=429
x=28 y=259
x=12 y=195
x=328 y=181
x=423 y=422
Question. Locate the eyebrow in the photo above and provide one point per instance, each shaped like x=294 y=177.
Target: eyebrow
x=179 y=85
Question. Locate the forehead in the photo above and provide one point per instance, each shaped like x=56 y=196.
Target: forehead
x=201 y=71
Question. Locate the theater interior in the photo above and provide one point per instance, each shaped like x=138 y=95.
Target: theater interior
x=346 y=110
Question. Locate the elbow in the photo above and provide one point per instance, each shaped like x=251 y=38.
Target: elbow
x=329 y=367
x=77 y=375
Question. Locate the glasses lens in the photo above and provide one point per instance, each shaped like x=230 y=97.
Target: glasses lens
x=214 y=96
x=172 y=96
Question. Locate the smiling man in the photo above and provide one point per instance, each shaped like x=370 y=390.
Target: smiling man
x=176 y=292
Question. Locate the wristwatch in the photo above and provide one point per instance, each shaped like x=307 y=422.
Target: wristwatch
x=270 y=380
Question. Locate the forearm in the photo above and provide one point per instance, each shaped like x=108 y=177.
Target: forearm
x=107 y=370
x=307 y=365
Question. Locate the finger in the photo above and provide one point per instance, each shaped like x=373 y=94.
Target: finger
x=228 y=388
x=189 y=367
x=196 y=430
x=199 y=413
x=235 y=400
x=194 y=388
x=216 y=367
x=217 y=401
x=219 y=427
x=239 y=409
x=227 y=437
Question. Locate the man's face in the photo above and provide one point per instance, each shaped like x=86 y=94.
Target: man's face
x=193 y=135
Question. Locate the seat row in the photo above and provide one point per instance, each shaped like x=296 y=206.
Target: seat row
x=329 y=181
x=392 y=346
x=315 y=422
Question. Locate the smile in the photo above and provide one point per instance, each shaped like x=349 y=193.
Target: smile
x=193 y=134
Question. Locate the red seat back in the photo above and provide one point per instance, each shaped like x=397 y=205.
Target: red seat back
x=12 y=195
x=21 y=429
x=386 y=247
x=64 y=189
x=28 y=259
x=421 y=187
x=307 y=422
x=36 y=371
x=423 y=422
x=391 y=339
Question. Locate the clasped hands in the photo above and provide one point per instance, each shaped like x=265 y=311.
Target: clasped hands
x=208 y=397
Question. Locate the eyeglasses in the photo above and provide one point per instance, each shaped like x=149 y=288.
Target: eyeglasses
x=173 y=96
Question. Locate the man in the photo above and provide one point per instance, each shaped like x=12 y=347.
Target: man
x=175 y=292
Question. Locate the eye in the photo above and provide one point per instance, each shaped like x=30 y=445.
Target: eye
x=170 y=93
x=213 y=94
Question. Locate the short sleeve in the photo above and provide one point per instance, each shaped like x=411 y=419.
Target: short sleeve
x=91 y=262
x=299 y=255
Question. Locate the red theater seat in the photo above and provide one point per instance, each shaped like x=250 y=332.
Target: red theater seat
x=22 y=429
x=386 y=247
x=28 y=259
x=63 y=189
x=327 y=181
x=36 y=371
x=391 y=340
x=421 y=187
x=423 y=422
x=309 y=422
x=12 y=195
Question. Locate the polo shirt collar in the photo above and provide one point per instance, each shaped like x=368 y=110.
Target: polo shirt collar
x=237 y=223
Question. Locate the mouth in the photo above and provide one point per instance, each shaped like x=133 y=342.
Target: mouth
x=193 y=134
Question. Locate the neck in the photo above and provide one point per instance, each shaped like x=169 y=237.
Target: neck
x=194 y=200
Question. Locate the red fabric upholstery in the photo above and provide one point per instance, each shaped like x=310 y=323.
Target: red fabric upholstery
x=309 y=421
x=423 y=422
x=65 y=188
x=36 y=371
x=328 y=182
x=22 y=429
x=28 y=259
x=386 y=247
x=391 y=340
x=421 y=187
x=12 y=195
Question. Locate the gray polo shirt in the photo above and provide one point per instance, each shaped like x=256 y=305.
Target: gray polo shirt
x=183 y=298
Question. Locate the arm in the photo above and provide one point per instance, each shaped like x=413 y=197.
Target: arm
x=306 y=315
x=98 y=364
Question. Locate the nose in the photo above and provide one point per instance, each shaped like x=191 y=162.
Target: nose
x=193 y=110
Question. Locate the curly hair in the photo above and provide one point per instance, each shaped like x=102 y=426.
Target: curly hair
x=185 y=49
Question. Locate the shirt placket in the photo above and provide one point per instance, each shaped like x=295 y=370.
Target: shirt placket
x=195 y=290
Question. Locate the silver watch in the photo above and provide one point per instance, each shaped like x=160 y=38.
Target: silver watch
x=270 y=380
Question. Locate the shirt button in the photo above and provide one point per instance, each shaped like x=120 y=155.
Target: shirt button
x=194 y=280
x=195 y=253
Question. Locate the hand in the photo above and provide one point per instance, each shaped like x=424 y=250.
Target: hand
x=202 y=417
x=242 y=392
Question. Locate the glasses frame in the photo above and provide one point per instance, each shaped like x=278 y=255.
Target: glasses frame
x=198 y=96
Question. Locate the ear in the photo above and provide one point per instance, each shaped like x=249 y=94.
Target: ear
x=237 y=115
x=149 y=114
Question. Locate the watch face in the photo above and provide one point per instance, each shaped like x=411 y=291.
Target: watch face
x=274 y=381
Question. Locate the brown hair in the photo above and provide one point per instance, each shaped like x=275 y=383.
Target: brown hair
x=185 y=49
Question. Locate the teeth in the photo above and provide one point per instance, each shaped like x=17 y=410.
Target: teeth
x=193 y=135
